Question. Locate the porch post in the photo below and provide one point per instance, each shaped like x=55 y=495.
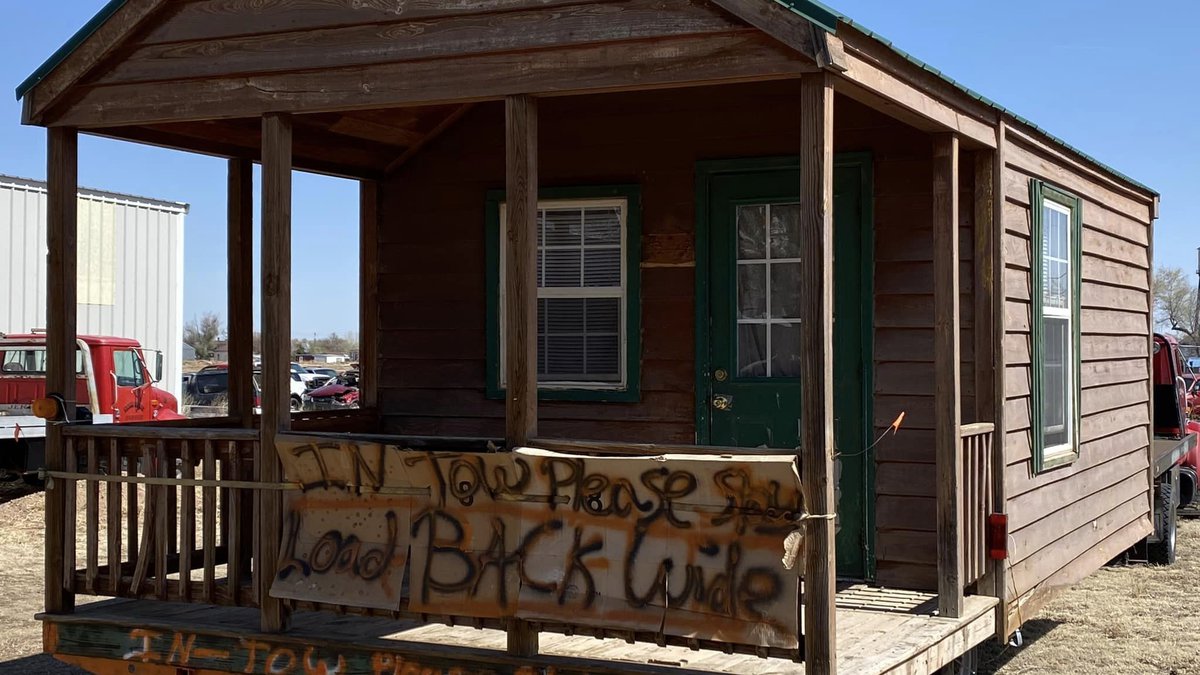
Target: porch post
x=62 y=190
x=240 y=310
x=520 y=293
x=989 y=357
x=816 y=350
x=947 y=356
x=276 y=352
x=368 y=293
x=240 y=323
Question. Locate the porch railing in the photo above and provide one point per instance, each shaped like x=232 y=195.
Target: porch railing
x=167 y=513
x=977 y=446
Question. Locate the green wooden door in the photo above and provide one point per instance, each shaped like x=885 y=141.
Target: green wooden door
x=749 y=388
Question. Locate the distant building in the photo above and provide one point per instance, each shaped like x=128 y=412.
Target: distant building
x=220 y=352
x=130 y=267
x=189 y=352
x=328 y=358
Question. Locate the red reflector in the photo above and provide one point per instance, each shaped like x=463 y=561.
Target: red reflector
x=997 y=536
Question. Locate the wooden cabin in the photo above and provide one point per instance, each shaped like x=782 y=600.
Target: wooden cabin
x=697 y=336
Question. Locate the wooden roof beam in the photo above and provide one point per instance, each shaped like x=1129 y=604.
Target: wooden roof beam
x=743 y=56
x=789 y=28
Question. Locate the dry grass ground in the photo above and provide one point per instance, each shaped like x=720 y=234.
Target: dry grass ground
x=1121 y=620
x=1125 y=620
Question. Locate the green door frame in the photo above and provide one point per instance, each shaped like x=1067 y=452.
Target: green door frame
x=706 y=170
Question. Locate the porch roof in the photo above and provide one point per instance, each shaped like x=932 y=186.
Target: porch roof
x=818 y=14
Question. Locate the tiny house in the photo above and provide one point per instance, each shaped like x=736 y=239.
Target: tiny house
x=702 y=335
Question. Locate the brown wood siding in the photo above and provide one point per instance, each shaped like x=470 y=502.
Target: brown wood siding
x=432 y=286
x=1067 y=521
x=906 y=547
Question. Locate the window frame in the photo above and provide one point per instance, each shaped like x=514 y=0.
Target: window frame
x=624 y=392
x=1042 y=196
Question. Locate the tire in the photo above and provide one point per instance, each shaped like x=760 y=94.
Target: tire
x=1162 y=552
x=297 y=405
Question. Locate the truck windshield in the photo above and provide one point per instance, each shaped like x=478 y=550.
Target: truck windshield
x=31 y=360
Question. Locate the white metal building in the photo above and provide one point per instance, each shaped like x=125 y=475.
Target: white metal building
x=130 y=267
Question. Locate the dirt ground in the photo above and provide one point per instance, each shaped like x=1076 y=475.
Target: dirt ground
x=1122 y=620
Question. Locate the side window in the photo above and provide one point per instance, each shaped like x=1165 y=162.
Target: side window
x=32 y=361
x=588 y=312
x=128 y=368
x=1056 y=260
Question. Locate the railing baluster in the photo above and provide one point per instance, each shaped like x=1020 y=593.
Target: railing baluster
x=210 y=524
x=92 y=518
x=72 y=513
x=164 y=514
x=114 y=519
x=148 y=518
x=233 y=541
x=188 y=524
x=131 y=505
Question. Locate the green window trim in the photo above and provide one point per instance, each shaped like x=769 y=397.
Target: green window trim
x=1041 y=193
x=631 y=391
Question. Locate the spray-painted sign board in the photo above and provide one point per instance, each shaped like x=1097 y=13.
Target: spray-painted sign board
x=685 y=545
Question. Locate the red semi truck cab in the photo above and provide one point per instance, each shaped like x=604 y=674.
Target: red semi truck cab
x=114 y=383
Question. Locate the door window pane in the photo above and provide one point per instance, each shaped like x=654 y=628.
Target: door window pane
x=769 y=294
x=752 y=350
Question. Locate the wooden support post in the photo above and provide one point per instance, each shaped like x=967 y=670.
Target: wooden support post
x=816 y=349
x=520 y=293
x=240 y=312
x=276 y=352
x=999 y=490
x=62 y=189
x=947 y=352
x=988 y=368
x=240 y=317
x=370 y=194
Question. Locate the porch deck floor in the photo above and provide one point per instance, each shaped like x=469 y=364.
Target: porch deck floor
x=879 y=631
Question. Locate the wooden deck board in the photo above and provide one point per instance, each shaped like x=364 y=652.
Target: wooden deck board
x=879 y=631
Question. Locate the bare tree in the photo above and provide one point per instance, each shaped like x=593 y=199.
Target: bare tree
x=1175 y=298
x=203 y=334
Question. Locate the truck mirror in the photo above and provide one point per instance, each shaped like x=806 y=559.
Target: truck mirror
x=158 y=366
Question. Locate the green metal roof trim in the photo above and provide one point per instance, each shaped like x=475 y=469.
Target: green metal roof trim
x=64 y=51
x=820 y=14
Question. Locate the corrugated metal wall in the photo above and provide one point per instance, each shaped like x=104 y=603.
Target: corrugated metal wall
x=130 y=268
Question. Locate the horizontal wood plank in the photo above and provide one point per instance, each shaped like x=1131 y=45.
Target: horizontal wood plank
x=673 y=62
x=427 y=38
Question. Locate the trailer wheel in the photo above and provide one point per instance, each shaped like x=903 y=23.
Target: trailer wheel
x=1162 y=552
x=297 y=404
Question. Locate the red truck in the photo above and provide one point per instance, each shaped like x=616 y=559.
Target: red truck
x=113 y=383
x=1176 y=452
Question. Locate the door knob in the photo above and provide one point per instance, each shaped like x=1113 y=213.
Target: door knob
x=722 y=402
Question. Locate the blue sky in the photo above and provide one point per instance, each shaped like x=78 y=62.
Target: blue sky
x=1120 y=85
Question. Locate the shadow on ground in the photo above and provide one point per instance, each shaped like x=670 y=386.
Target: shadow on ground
x=994 y=655
x=39 y=664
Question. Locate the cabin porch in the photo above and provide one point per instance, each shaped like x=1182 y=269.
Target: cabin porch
x=196 y=524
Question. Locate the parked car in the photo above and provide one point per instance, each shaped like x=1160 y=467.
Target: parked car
x=338 y=394
x=303 y=374
x=209 y=388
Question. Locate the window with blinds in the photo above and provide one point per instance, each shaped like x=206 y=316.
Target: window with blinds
x=582 y=293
